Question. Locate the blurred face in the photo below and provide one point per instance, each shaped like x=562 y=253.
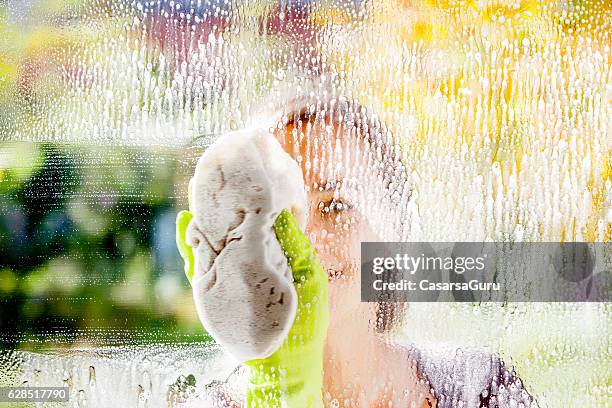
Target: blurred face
x=347 y=181
x=330 y=158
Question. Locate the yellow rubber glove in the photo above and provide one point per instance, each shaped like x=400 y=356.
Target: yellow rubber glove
x=293 y=375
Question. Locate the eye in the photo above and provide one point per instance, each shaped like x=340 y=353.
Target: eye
x=334 y=205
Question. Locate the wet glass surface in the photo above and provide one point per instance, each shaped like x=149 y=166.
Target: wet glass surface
x=500 y=113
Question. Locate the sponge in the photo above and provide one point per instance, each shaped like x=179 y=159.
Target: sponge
x=242 y=285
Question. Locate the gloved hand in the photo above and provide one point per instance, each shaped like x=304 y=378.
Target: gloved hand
x=293 y=375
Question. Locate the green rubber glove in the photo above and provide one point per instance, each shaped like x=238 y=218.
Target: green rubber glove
x=293 y=375
x=182 y=221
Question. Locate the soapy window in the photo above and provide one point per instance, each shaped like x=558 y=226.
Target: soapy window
x=499 y=111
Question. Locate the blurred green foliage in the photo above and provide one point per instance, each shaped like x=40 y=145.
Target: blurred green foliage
x=86 y=247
